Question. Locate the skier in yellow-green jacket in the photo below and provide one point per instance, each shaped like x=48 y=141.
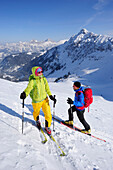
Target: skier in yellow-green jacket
x=38 y=89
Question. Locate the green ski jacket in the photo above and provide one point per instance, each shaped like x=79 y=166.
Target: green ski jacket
x=38 y=86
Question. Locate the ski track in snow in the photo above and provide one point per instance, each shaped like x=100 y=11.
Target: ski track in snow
x=26 y=151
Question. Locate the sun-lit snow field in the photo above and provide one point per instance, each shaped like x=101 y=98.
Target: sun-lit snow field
x=26 y=152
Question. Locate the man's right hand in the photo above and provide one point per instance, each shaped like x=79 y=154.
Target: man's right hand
x=69 y=101
x=23 y=95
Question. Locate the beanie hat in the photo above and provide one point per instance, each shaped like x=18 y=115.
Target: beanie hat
x=77 y=84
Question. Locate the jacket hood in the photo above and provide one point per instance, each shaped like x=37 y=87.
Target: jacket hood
x=33 y=71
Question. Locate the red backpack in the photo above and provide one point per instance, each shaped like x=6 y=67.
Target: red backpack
x=88 y=97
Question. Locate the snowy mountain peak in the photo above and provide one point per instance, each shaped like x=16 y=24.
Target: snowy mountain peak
x=85 y=36
x=81 y=35
x=83 y=31
x=33 y=41
x=48 y=39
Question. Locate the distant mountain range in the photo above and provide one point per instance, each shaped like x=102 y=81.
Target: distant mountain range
x=84 y=53
x=33 y=46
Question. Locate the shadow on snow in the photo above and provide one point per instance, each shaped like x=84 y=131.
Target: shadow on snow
x=10 y=111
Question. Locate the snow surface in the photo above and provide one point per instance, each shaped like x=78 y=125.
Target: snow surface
x=26 y=152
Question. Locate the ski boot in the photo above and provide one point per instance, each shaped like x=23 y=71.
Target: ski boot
x=86 y=131
x=38 y=124
x=69 y=123
x=48 y=130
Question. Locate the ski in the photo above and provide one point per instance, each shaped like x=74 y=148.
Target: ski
x=44 y=136
x=77 y=129
x=53 y=139
x=40 y=130
x=45 y=139
x=62 y=154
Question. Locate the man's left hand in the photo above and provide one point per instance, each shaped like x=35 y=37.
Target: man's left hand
x=53 y=98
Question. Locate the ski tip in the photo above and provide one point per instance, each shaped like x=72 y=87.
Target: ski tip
x=44 y=141
x=104 y=140
x=63 y=154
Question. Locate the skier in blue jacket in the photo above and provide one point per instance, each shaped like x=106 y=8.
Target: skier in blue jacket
x=78 y=106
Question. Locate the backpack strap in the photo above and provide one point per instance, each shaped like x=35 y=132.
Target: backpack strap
x=79 y=92
x=34 y=81
x=44 y=80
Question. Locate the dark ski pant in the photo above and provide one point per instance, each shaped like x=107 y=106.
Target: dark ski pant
x=80 y=115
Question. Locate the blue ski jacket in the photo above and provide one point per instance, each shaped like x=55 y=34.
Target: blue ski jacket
x=79 y=99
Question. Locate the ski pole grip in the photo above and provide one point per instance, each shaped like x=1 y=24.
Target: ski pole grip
x=54 y=102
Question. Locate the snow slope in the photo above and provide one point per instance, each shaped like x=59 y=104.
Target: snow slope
x=26 y=152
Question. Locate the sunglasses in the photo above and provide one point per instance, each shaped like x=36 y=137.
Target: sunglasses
x=39 y=72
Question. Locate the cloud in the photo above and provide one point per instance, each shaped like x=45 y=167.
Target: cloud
x=100 y=4
x=89 y=20
x=99 y=8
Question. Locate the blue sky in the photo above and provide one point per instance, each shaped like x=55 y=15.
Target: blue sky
x=24 y=20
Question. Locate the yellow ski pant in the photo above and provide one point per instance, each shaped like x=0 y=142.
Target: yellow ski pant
x=45 y=108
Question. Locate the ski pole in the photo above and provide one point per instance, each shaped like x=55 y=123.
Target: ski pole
x=22 y=116
x=70 y=108
x=53 y=115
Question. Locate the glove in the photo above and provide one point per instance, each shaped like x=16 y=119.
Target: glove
x=23 y=95
x=53 y=98
x=69 y=101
